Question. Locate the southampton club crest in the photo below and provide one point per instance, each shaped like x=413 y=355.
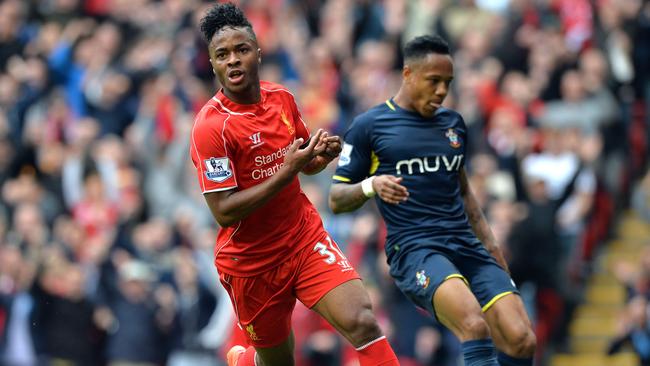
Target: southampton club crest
x=422 y=279
x=217 y=169
x=453 y=138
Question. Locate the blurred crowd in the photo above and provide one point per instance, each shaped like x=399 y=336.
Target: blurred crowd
x=106 y=242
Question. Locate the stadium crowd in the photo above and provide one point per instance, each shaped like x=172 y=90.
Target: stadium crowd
x=106 y=242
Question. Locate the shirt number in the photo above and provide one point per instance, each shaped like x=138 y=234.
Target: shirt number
x=325 y=252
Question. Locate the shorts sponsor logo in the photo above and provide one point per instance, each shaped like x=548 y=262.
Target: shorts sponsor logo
x=251 y=332
x=217 y=169
x=346 y=154
x=422 y=279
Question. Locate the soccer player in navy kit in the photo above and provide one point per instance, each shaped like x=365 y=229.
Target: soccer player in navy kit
x=409 y=152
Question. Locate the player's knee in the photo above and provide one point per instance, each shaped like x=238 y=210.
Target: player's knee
x=362 y=327
x=473 y=327
x=523 y=343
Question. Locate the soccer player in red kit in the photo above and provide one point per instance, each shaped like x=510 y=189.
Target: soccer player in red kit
x=248 y=145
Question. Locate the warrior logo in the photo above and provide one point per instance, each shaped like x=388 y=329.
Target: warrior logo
x=256 y=139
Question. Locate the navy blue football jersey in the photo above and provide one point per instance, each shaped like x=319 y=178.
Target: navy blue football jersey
x=428 y=153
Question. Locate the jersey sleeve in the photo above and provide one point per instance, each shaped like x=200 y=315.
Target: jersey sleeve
x=464 y=136
x=301 y=126
x=209 y=151
x=356 y=161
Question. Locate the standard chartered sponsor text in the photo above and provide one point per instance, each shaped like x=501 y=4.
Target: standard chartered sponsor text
x=263 y=161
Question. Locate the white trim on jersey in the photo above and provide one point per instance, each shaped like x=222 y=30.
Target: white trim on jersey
x=231 y=112
x=370 y=343
x=216 y=254
x=219 y=189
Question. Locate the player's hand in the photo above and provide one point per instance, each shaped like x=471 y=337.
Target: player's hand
x=298 y=157
x=333 y=147
x=390 y=189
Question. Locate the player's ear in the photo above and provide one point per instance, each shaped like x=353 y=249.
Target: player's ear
x=259 y=55
x=406 y=71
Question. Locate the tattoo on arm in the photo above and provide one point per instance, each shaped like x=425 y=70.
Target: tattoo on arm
x=475 y=215
x=346 y=197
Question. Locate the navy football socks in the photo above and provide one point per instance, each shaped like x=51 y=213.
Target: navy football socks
x=505 y=360
x=479 y=352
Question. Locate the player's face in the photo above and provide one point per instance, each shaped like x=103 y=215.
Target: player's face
x=427 y=81
x=235 y=59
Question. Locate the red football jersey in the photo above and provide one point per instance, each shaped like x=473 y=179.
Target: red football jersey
x=236 y=146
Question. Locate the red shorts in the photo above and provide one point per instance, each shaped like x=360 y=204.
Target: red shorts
x=264 y=303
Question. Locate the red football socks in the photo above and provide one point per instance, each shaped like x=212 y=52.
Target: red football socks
x=377 y=353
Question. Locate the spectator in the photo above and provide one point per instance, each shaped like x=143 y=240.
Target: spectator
x=97 y=101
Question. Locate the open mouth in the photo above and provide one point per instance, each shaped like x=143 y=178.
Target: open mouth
x=236 y=76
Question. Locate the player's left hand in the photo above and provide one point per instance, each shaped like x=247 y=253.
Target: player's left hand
x=333 y=147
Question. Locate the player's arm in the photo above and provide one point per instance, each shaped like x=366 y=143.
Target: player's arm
x=331 y=152
x=230 y=206
x=346 y=197
x=478 y=221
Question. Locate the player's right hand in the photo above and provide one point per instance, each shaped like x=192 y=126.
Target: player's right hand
x=390 y=189
x=297 y=158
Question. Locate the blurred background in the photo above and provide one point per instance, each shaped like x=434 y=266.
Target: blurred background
x=106 y=242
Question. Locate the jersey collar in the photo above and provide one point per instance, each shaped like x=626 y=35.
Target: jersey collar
x=236 y=108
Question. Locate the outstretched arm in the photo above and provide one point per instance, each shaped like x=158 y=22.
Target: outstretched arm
x=229 y=207
x=478 y=221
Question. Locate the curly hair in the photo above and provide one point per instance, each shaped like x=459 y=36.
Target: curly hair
x=221 y=16
x=424 y=45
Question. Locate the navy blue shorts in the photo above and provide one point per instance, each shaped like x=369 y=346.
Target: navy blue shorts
x=418 y=272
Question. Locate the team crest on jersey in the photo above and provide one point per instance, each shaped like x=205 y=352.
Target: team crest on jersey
x=422 y=279
x=217 y=169
x=453 y=138
x=251 y=332
x=286 y=122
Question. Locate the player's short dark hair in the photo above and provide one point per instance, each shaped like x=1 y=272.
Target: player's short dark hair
x=423 y=45
x=222 y=16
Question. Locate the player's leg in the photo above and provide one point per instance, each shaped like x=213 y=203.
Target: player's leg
x=263 y=305
x=432 y=282
x=279 y=355
x=502 y=306
x=332 y=288
x=511 y=331
x=347 y=307
x=457 y=309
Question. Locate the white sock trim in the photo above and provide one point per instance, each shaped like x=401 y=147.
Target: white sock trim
x=370 y=343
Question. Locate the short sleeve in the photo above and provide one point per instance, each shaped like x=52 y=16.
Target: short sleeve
x=209 y=151
x=356 y=159
x=301 y=126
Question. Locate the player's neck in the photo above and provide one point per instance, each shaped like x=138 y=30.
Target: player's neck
x=403 y=101
x=250 y=96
